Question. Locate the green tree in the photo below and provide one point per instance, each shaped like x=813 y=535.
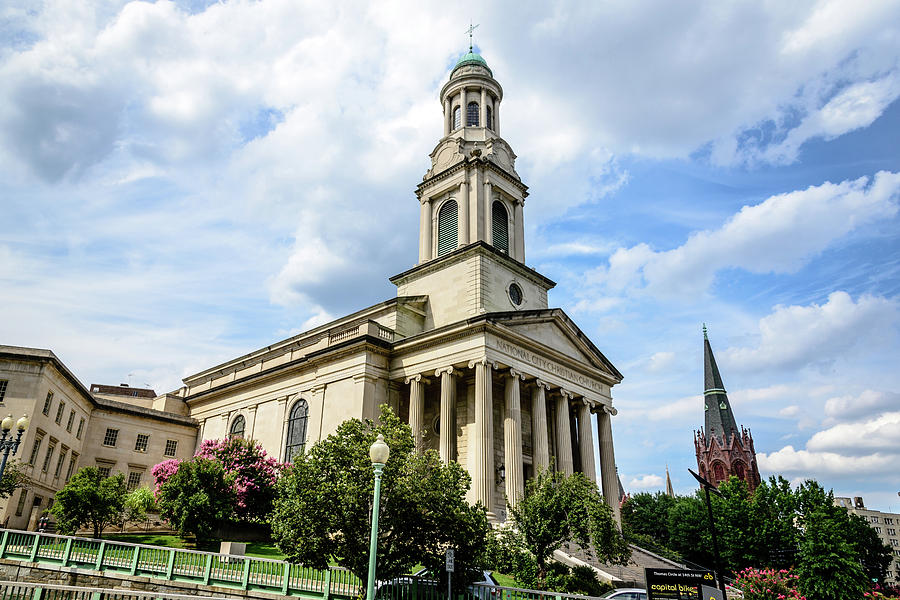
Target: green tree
x=874 y=555
x=89 y=498
x=197 y=499
x=138 y=502
x=648 y=514
x=13 y=478
x=689 y=529
x=323 y=505
x=828 y=566
x=558 y=509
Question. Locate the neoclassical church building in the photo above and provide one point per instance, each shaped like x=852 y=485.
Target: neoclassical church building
x=722 y=450
x=469 y=352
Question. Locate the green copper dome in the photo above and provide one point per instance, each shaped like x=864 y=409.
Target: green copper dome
x=472 y=58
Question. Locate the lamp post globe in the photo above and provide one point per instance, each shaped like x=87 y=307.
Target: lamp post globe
x=7 y=423
x=9 y=444
x=22 y=423
x=378 y=453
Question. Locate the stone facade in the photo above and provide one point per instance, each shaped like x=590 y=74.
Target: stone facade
x=469 y=353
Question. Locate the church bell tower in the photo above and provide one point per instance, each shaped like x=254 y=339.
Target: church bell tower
x=471 y=200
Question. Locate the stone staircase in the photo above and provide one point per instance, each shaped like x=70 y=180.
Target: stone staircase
x=631 y=574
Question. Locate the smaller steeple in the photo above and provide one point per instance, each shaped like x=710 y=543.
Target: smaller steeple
x=669 y=491
x=720 y=421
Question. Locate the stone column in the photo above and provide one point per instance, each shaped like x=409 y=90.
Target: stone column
x=251 y=425
x=497 y=116
x=482 y=109
x=488 y=215
x=608 y=479
x=586 y=441
x=462 y=107
x=483 y=442
x=416 y=409
x=541 y=458
x=519 y=227
x=448 y=117
x=512 y=439
x=448 y=402
x=564 y=461
x=464 y=213
x=317 y=395
x=425 y=231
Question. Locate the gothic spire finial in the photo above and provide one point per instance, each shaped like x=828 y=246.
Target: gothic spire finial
x=704 y=332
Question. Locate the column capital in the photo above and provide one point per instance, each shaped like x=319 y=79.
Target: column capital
x=566 y=394
x=542 y=383
x=484 y=362
x=451 y=370
x=514 y=373
x=316 y=389
x=417 y=378
x=252 y=409
x=606 y=409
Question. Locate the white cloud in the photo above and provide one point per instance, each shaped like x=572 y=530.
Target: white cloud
x=823 y=465
x=789 y=411
x=798 y=336
x=644 y=482
x=660 y=361
x=777 y=236
x=868 y=403
x=880 y=434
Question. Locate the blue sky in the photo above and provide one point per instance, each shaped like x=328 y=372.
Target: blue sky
x=182 y=183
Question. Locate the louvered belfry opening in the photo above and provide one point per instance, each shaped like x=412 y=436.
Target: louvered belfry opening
x=500 y=226
x=472 y=114
x=448 y=227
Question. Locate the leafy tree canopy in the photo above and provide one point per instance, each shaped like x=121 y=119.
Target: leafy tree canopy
x=197 y=499
x=91 y=499
x=323 y=505
x=558 y=509
x=13 y=478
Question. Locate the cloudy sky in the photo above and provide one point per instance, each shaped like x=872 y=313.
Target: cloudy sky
x=185 y=182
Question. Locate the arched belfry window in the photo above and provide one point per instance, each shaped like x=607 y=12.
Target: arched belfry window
x=500 y=226
x=448 y=227
x=472 y=114
x=457 y=113
x=238 y=427
x=296 y=430
x=490 y=118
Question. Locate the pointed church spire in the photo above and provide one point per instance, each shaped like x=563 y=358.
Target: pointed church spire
x=720 y=423
x=669 y=491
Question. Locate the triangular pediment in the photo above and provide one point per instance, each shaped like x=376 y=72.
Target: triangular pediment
x=553 y=329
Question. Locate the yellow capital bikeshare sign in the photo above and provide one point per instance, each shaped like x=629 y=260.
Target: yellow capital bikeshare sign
x=676 y=584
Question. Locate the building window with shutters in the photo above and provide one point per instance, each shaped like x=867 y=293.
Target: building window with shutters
x=80 y=428
x=49 y=456
x=490 y=118
x=457 y=113
x=3 y=384
x=500 y=226
x=472 y=114
x=111 y=437
x=59 y=413
x=73 y=462
x=20 y=506
x=448 y=227
x=104 y=471
x=35 y=449
x=296 y=429
x=70 y=421
x=60 y=462
x=47 y=402
x=238 y=426
x=134 y=480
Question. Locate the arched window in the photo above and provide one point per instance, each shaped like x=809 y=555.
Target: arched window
x=739 y=470
x=448 y=227
x=500 y=226
x=472 y=114
x=456 y=117
x=296 y=430
x=238 y=426
x=490 y=118
x=719 y=470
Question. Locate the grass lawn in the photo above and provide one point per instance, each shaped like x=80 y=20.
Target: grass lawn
x=255 y=549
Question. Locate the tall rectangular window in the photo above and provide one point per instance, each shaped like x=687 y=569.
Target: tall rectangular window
x=134 y=480
x=140 y=445
x=47 y=402
x=70 y=421
x=72 y=463
x=59 y=412
x=104 y=471
x=20 y=507
x=111 y=437
x=171 y=446
x=80 y=428
x=35 y=448
x=3 y=384
x=60 y=461
x=49 y=456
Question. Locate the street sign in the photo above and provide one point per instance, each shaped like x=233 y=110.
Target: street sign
x=677 y=584
x=450 y=559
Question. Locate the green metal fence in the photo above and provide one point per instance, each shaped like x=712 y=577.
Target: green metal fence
x=174 y=564
x=17 y=590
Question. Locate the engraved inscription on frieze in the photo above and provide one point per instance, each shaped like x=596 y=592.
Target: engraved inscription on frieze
x=549 y=366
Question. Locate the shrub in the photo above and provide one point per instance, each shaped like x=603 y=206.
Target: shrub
x=768 y=584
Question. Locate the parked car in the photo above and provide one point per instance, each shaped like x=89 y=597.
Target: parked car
x=424 y=586
x=626 y=594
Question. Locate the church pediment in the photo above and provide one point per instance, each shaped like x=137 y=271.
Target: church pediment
x=554 y=330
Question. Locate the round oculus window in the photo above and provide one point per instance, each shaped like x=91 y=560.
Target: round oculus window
x=515 y=294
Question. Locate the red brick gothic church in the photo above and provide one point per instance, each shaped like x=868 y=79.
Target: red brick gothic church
x=721 y=450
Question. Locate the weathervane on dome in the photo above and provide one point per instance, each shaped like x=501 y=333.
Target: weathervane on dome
x=470 y=30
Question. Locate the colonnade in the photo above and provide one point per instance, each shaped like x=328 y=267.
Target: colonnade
x=481 y=433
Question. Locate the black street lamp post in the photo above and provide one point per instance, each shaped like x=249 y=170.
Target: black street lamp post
x=707 y=486
x=8 y=444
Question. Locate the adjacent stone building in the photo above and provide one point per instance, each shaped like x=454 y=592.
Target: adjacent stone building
x=722 y=450
x=885 y=524
x=469 y=352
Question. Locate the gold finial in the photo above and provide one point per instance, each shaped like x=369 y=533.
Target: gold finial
x=470 y=30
